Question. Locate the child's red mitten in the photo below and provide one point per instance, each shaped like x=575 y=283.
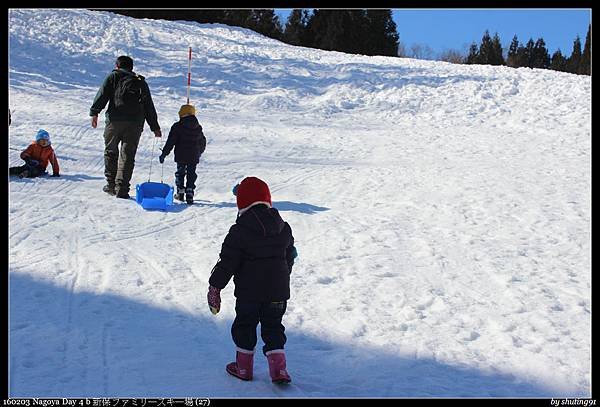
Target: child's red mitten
x=214 y=299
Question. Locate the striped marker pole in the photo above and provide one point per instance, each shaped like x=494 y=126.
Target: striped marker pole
x=189 y=75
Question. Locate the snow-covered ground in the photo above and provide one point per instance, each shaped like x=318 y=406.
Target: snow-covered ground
x=442 y=215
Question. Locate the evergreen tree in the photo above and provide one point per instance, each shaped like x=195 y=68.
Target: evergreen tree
x=486 y=49
x=338 y=30
x=355 y=32
x=316 y=28
x=490 y=51
x=575 y=59
x=522 y=58
x=212 y=16
x=238 y=18
x=312 y=24
x=496 y=56
x=295 y=27
x=511 y=59
x=558 y=62
x=329 y=38
x=381 y=35
x=473 y=56
x=585 y=67
x=265 y=22
x=540 y=57
x=526 y=55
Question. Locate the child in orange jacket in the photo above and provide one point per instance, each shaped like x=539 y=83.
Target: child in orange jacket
x=36 y=157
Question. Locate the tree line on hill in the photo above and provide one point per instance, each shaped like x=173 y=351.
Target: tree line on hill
x=357 y=31
x=532 y=54
x=373 y=32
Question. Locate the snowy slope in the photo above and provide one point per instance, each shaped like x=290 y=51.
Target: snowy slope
x=441 y=214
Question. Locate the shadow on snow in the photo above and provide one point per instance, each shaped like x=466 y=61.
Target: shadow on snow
x=81 y=344
x=279 y=205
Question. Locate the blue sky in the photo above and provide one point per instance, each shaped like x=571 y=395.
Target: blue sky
x=443 y=29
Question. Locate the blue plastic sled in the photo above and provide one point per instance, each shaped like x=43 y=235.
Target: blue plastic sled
x=154 y=195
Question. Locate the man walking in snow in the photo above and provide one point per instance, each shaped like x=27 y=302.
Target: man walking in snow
x=129 y=104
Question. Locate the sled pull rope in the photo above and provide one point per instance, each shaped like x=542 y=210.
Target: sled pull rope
x=189 y=81
x=162 y=170
x=152 y=157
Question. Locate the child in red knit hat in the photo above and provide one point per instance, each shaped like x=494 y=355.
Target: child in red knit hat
x=258 y=252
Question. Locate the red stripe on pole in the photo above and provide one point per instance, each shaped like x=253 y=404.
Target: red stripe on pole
x=189 y=75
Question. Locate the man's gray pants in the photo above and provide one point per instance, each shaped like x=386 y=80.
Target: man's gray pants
x=119 y=162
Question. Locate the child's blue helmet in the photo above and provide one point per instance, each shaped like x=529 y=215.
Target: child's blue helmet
x=42 y=135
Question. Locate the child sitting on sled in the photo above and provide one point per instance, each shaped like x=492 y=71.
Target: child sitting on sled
x=36 y=157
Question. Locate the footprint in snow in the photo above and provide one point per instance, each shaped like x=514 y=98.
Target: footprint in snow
x=472 y=336
x=325 y=280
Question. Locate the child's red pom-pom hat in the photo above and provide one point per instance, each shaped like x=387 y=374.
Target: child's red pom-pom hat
x=252 y=190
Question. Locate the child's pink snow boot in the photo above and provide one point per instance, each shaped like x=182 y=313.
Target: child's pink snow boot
x=243 y=365
x=277 y=368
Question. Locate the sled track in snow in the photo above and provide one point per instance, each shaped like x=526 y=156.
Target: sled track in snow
x=119 y=236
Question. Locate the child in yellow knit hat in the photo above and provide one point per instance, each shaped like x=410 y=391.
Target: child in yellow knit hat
x=188 y=139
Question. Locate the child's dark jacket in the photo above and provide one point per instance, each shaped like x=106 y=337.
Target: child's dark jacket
x=258 y=252
x=187 y=138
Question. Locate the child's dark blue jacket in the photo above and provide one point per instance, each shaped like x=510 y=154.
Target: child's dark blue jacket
x=187 y=138
x=259 y=253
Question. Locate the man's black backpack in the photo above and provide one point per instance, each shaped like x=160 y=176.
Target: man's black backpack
x=129 y=94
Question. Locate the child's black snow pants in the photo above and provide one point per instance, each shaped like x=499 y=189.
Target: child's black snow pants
x=32 y=170
x=249 y=314
x=180 y=174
